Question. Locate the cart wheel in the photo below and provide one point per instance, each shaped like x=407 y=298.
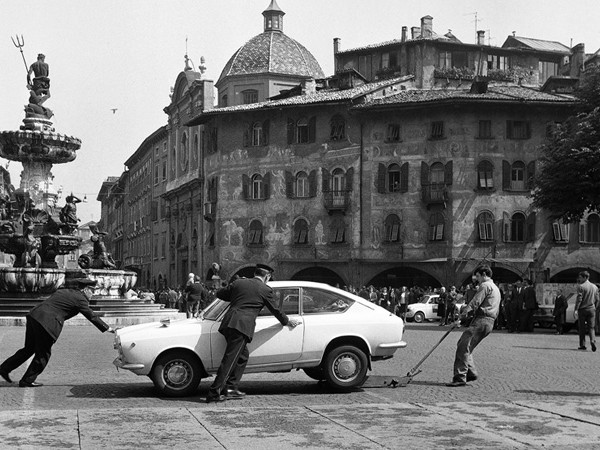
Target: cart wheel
x=419 y=317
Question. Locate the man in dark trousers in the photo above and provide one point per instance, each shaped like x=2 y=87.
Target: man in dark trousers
x=529 y=306
x=44 y=325
x=196 y=297
x=247 y=297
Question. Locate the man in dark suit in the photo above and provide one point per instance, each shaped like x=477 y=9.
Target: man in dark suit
x=44 y=325
x=247 y=297
x=529 y=306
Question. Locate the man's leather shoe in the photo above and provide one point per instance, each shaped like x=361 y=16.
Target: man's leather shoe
x=472 y=377
x=582 y=347
x=593 y=346
x=215 y=398
x=456 y=383
x=234 y=394
x=4 y=375
x=29 y=384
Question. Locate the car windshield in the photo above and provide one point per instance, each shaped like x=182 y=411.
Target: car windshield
x=425 y=299
x=214 y=310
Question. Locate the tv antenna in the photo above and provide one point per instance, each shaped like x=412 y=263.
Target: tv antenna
x=476 y=20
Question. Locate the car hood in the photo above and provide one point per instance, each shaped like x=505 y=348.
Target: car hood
x=160 y=331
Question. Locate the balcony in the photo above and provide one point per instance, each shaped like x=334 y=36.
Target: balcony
x=337 y=200
x=210 y=211
x=435 y=194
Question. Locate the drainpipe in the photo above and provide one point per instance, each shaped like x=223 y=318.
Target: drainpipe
x=360 y=190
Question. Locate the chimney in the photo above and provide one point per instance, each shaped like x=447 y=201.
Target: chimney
x=415 y=32
x=481 y=37
x=336 y=45
x=404 y=33
x=309 y=86
x=577 y=60
x=427 y=27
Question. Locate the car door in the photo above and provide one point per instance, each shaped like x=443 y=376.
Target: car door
x=272 y=342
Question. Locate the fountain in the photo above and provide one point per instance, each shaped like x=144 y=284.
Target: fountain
x=34 y=229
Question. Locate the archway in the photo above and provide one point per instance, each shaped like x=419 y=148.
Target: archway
x=320 y=275
x=499 y=275
x=403 y=276
x=570 y=275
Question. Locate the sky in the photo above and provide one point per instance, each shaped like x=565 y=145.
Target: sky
x=126 y=54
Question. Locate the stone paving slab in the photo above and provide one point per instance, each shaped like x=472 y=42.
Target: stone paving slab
x=497 y=425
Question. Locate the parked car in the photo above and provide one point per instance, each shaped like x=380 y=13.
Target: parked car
x=339 y=336
x=425 y=309
x=544 y=316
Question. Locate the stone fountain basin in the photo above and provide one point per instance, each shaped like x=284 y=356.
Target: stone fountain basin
x=31 y=280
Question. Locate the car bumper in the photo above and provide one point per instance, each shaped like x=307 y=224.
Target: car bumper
x=120 y=364
x=394 y=345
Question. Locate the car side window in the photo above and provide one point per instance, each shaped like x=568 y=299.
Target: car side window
x=286 y=299
x=317 y=301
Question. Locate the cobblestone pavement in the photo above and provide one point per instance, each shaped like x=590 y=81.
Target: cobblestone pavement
x=535 y=390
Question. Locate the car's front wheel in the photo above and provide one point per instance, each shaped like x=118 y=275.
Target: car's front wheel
x=346 y=367
x=419 y=317
x=176 y=374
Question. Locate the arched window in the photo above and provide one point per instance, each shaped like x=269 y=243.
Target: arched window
x=517 y=176
x=196 y=149
x=257 y=134
x=517 y=227
x=256 y=187
x=485 y=226
x=255 y=233
x=300 y=232
x=338 y=128
x=436 y=175
x=392 y=228
x=183 y=152
x=173 y=160
x=301 y=184
x=485 y=175
x=224 y=100
x=393 y=178
x=338 y=187
x=249 y=96
x=436 y=227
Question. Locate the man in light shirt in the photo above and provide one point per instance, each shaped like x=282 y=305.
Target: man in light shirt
x=484 y=306
x=585 y=309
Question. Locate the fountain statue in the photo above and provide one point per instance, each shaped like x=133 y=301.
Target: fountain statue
x=32 y=227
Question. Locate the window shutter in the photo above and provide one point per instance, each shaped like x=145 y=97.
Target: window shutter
x=404 y=177
x=482 y=231
x=246 y=140
x=565 y=231
x=312 y=183
x=506 y=229
x=582 y=230
x=312 y=129
x=215 y=195
x=326 y=177
x=556 y=231
x=245 y=186
x=266 y=186
x=290 y=131
x=154 y=212
x=349 y=178
x=448 y=173
x=424 y=173
x=530 y=174
x=289 y=184
x=530 y=232
x=505 y=175
x=489 y=229
x=380 y=184
x=266 y=132
x=439 y=235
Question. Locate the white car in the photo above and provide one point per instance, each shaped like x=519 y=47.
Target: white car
x=425 y=309
x=339 y=336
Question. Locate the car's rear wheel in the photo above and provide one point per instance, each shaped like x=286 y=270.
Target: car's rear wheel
x=316 y=373
x=419 y=317
x=176 y=374
x=346 y=367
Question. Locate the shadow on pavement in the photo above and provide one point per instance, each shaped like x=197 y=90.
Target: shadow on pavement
x=559 y=393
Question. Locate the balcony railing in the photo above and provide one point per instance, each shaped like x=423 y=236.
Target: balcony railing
x=337 y=200
x=435 y=194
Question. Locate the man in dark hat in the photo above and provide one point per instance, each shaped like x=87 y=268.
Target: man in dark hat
x=44 y=325
x=247 y=297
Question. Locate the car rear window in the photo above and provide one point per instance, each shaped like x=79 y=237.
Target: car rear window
x=318 y=301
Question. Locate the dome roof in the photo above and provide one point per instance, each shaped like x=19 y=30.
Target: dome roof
x=275 y=53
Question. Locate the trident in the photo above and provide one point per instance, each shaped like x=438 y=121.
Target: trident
x=20 y=44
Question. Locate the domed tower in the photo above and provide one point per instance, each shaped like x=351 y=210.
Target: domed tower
x=266 y=65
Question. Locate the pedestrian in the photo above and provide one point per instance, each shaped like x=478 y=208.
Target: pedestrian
x=585 y=309
x=173 y=298
x=44 y=325
x=441 y=312
x=196 y=294
x=529 y=306
x=560 y=311
x=451 y=299
x=247 y=297
x=485 y=306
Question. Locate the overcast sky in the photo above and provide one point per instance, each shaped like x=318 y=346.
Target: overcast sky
x=126 y=54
